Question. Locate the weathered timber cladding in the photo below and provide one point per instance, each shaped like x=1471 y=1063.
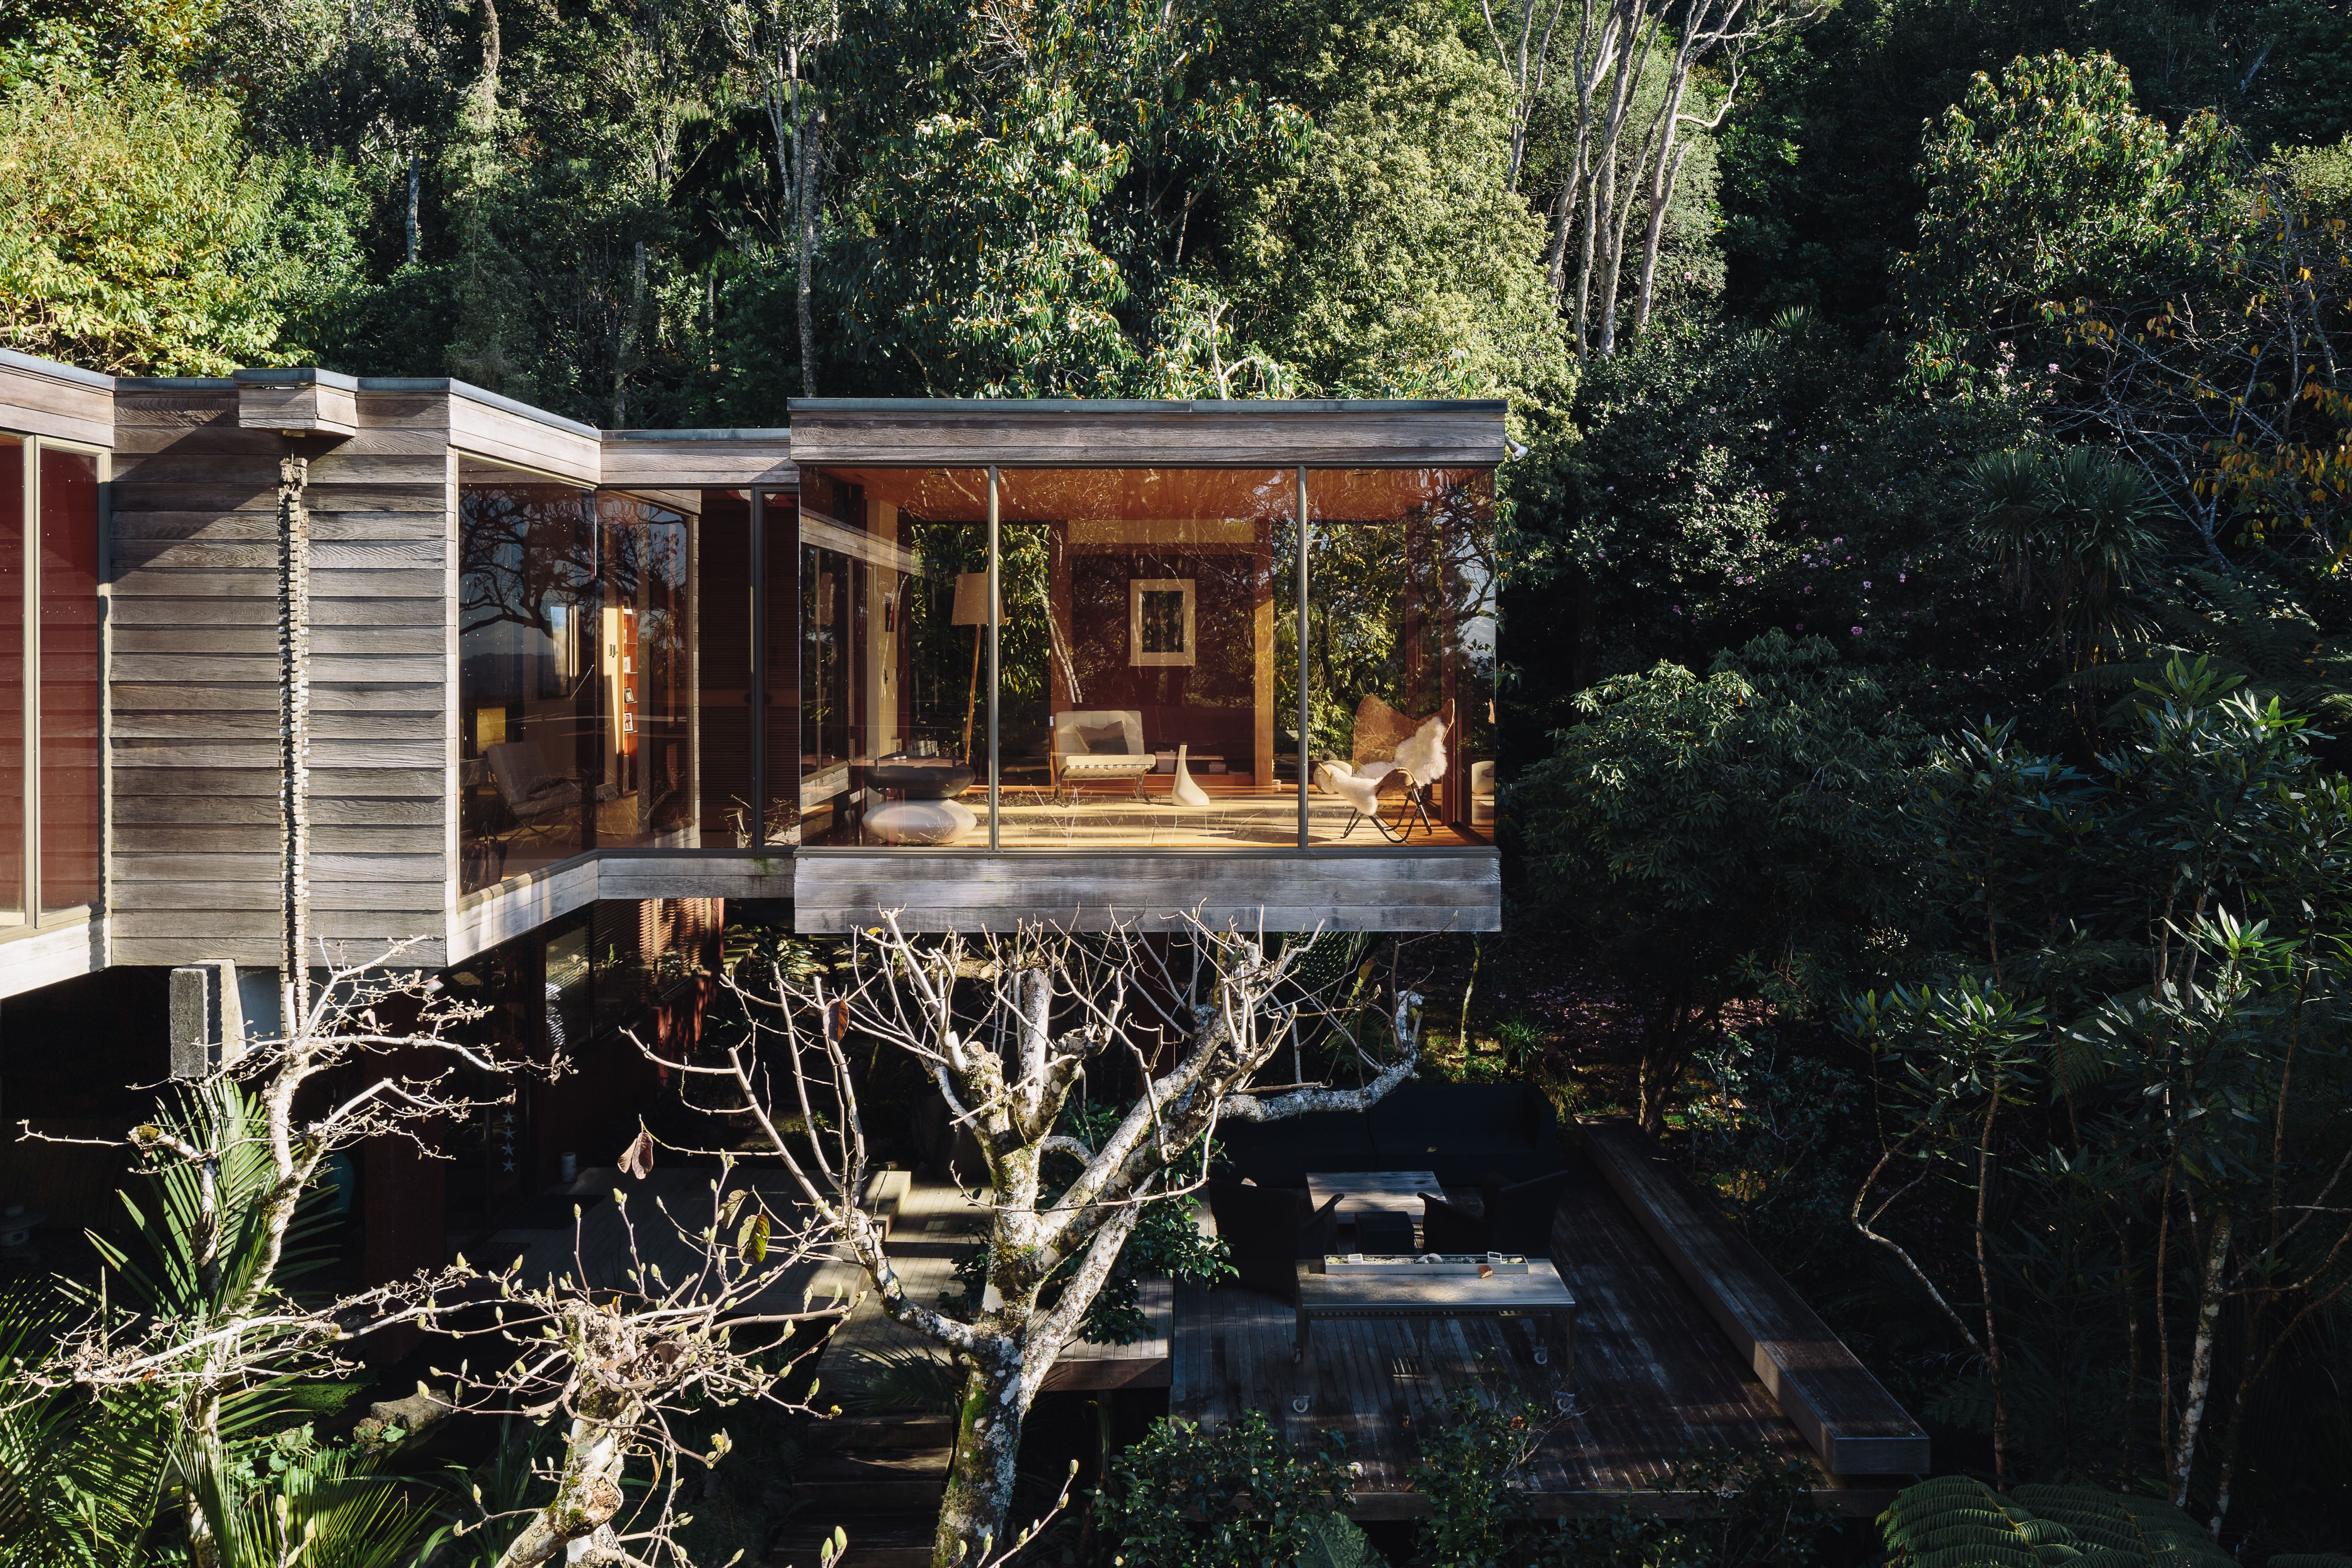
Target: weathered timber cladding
x=193 y=683
x=1175 y=434
x=49 y=399
x=1286 y=890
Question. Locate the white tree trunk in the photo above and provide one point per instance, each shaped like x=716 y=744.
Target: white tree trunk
x=2200 y=1359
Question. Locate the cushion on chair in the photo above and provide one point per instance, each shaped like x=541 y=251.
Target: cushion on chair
x=1462 y=1131
x=1446 y=1228
x=1266 y=1230
x=1519 y=1215
x=1281 y=1153
x=1105 y=739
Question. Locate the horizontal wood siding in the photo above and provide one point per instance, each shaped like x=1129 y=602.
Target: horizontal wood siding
x=193 y=687
x=1287 y=890
x=45 y=399
x=1418 y=435
x=699 y=460
x=486 y=430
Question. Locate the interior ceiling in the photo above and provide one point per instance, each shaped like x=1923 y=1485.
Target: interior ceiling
x=1053 y=495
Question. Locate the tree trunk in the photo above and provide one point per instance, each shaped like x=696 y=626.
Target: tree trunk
x=2201 y=1360
x=1984 y=1286
x=586 y=1498
x=1662 y=194
x=408 y=243
x=979 y=1500
x=809 y=149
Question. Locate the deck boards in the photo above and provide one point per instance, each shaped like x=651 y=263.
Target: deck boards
x=1656 y=1380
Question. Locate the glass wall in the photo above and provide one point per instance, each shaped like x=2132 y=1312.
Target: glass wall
x=1149 y=657
x=578 y=685
x=1401 y=655
x=70 y=832
x=891 y=613
x=51 y=835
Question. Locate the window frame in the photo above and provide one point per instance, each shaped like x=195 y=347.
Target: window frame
x=34 y=919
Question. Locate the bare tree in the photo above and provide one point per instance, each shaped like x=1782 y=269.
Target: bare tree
x=622 y=1364
x=236 y=1165
x=1007 y=1026
x=617 y=1360
x=780 y=46
x=1624 y=146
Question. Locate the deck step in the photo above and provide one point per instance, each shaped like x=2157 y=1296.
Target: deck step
x=857 y=1432
x=873 y=1478
x=876 y=1540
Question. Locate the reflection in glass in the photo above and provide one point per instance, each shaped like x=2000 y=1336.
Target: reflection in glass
x=893 y=724
x=724 y=682
x=69 y=814
x=1401 y=655
x=576 y=673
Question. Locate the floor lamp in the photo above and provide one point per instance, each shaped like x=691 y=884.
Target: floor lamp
x=971 y=610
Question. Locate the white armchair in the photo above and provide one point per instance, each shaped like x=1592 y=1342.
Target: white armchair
x=1099 y=744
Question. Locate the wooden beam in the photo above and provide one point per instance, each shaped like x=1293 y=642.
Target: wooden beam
x=699 y=460
x=1091 y=434
x=301 y=399
x=1289 y=890
x=1845 y=1414
x=46 y=398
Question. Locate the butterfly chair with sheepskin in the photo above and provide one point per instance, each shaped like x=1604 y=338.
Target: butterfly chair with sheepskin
x=1418 y=761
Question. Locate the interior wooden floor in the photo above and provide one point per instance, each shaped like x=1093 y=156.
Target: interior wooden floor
x=1240 y=815
x=1656 y=1382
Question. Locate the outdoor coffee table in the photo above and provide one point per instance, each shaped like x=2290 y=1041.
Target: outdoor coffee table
x=1429 y=1289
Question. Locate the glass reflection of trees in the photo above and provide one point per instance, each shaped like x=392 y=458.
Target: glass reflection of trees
x=574 y=673
x=1403 y=610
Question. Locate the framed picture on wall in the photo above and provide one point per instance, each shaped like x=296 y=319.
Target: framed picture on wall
x=1160 y=621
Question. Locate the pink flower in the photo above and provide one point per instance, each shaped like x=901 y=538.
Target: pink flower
x=1857 y=630
x=1839 y=540
x=1900 y=577
x=2053 y=367
x=1865 y=582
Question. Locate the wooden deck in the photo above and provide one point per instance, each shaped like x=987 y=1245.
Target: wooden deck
x=1656 y=1380
x=1686 y=1341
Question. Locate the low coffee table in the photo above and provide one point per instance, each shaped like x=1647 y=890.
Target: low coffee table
x=1407 y=1292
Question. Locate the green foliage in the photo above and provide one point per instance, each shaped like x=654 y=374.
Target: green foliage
x=1183 y=1497
x=1390 y=262
x=1956 y=1522
x=1723 y=835
x=80 y=1483
x=320 y=1505
x=2072 y=535
x=2049 y=184
x=130 y=216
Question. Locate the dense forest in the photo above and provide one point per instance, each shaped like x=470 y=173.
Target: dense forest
x=1927 y=656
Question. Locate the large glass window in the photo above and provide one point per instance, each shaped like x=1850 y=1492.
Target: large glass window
x=1401 y=655
x=51 y=837
x=892 y=612
x=1140 y=700
x=577 y=679
x=70 y=833
x=1149 y=657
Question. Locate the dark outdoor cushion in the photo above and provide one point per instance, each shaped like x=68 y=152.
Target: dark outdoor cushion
x=1459 y=1131
x=1446 y=1228
x=1283 y=1154
x=1104 y=739
x=1266 y=1230
x=1519 y=1215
